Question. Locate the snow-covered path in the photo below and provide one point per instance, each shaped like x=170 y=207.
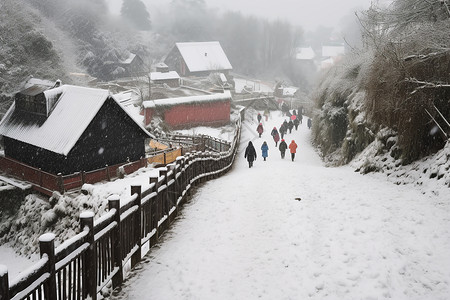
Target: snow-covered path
x=244 y=236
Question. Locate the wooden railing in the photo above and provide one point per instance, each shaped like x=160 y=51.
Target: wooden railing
x=82 y=266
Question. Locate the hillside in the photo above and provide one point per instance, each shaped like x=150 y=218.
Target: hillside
x=387 y=104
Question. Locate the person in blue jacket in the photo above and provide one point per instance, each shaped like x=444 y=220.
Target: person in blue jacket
x=265 y=150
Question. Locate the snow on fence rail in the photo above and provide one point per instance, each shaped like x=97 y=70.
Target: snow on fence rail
x=82 y=266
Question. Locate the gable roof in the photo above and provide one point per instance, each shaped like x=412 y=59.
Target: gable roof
x=204 y=56
x=60 y=131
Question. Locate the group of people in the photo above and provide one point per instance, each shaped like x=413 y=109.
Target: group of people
x=294 y=121
x=250 y=151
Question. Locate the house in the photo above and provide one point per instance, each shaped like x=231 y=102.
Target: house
x=131 y=66
x=171 y=78
x=182 y=112
x=331 y=55
x=66 y=129
x=198 y=59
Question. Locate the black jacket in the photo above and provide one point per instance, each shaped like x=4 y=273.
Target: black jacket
x=250 y=152
x=283 y=146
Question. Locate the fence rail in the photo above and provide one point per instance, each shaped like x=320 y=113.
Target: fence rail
x=83 y=265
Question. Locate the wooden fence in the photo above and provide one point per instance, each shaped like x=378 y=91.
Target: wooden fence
x=46 y=183
x=82 y=266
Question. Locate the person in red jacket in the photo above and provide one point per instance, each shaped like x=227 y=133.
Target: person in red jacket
x=293 y=149
x=260 y=129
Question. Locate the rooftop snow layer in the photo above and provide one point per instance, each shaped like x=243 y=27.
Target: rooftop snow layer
x=204 y=56
x=188 y=100
x=59 y=132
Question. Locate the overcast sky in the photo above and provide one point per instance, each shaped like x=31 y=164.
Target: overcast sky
x=309 y=14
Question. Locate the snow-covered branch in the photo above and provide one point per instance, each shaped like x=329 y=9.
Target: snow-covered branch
x=426 y=84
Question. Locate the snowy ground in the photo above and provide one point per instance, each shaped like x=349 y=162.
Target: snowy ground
x=351 y=236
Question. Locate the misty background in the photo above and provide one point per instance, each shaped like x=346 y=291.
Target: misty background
x=59 y=38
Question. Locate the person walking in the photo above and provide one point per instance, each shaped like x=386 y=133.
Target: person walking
x=250 y=154
x=267 y=114
x=309 y=123
x=290 y=126
x=275 y=135
x=282 y=133
x=265 y=150
x=283 y=146
x=259 y=117
x=260 y=129
x=296 y=123
x=293 y=149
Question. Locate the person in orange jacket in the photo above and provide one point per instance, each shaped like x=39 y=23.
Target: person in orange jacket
x=293 y=149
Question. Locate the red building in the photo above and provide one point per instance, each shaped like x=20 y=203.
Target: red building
x=211 y=110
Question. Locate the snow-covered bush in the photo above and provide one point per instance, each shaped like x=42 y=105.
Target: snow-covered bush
x=340 y=127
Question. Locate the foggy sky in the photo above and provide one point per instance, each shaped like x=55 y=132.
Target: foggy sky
x=309 y=14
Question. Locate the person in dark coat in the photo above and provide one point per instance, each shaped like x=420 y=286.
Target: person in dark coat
x=283 y=146
x=265 y=150
x=259 y=117
x=260 y=129
x=309 y=123
x=275 y=135
x=290 y=126
x=293 y=149
x=294 y=112
x=296 y=123
x=284 y=108
x=250 y=154
x=282 y=130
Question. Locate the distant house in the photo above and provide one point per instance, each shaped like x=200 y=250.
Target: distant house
x=191 y=111
x=305 y=54
x=171 y=78
x=331 y=55
x=132 y=66
x=198 y=59
x=68 y=128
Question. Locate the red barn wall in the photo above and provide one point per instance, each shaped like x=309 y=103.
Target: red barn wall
x=211 y=113
x=148 y=114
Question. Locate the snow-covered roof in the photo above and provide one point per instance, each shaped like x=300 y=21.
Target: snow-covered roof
x=164 y=75
x=40 y=82
x=305 y=53
x=289 y=91
x=226 y=95
x=332 y=51
x=204 y=56
x=129 y=59
x=59 y=132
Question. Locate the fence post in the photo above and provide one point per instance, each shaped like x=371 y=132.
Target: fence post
x=108 y=175
x=153 y=204
x=114 y=203
x=60 y=183
x=47 y=247
x=136 y=189
x=4 y=283
x=165 y=194
x=40 y=177
x=89 y=276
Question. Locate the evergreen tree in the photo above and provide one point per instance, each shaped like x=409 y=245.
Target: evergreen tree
x=136 y=13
